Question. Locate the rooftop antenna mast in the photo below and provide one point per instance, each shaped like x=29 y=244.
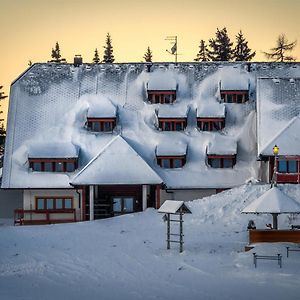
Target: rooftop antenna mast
x=173 y=51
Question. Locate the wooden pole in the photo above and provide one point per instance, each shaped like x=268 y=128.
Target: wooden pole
x=168 y=231
x=180 y=231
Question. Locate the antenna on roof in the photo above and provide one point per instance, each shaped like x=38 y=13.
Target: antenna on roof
x=174 y=48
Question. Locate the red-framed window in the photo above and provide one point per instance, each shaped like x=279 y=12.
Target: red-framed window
x=53 y=165
x=101 y=125
x=162 y=97
x=54 y=203
x=234 y=96
x=221 y=161
x=172 y=124
x=210 y=124
x=171 y=162
x=288 y=169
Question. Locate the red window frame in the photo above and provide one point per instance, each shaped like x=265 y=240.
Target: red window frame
x=221 y=158
x=286 y=177
x=210 y=123
x=53 y=162
x=101 y=121
x=171 y=160
x=155 y=97
x=54 y=198
x=234 y=96
x=173 y=122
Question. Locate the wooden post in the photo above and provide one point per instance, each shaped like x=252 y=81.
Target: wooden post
x=83 y=208
x=275 y=221
x=180 y=230
x=91 y=202
x=168 y=231
x=157 y=198
x=144 y=196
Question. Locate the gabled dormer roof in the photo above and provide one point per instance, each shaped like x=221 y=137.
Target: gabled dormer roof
x=101 y=107
x=222 y=146
x=117 y=163
x=237 y=83
x=288 y=140
x=171 y=149
x=53 y=150
x=211 y=110
x=172 y=111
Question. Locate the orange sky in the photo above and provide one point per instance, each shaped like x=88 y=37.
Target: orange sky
x=30 y=28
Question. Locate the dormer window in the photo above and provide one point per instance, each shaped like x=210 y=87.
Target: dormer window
x=211 y=116
x=210 y=124
x=172 y=118
x=221 y=161
x=55 y=157
x=161 y=97
x=171 y=155
x=234 y=96
x=101 y=124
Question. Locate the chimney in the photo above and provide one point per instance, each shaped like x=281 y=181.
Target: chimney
x=77 y=60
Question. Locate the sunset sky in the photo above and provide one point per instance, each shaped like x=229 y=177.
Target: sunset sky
x=30 y=28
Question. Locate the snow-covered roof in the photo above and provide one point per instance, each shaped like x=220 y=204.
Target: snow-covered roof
x=50 y=103
x=173 y=207
x=171 y=149
x=172 y=111
x=222 y=146
x=278 y=102
x=211 y=110
x=101 y=107
x=161 y=80
x=117 y=163
x=53 y=150
x=288 y=140
x=234 y=83
x=273 y=201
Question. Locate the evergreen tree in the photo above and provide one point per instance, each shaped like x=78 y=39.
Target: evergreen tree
x=56 y=53
x=2 y=96
x=241 y=51
x=108 y=56
x=202 y=55
x=221 y=46
x=148 y=55
x=2 y=129
x=283 y=47
x=96 y=59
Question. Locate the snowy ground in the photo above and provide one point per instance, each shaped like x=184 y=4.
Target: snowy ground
x=126 y=257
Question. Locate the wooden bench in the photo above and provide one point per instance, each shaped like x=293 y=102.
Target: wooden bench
x=289 y=249
x=277 y=257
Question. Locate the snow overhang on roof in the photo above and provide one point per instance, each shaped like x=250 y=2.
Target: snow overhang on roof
x=239 y=82
x=222 y=146
x=53 y=150
x=117 y=163
x=101 y=107
x=211 y=110
x=288 y=140
x=171 y=149
x=161 y=81
x=172 y=111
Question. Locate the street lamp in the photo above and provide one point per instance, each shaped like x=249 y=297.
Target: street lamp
x=275 y=152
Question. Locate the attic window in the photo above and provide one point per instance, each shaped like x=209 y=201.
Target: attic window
x=210 y=124
x=176 y=124
x=162 y=97
x=221 y=161
x=101 y=124
x=53 y=165
x=171 y=162
x=235 y=96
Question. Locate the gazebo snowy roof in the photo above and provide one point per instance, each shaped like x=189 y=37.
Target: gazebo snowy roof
x=288 y=140
x=53 y=150
x=274 y=201
x=117 y=163
x=173 y=207
x=172 y=111
x=211 y=110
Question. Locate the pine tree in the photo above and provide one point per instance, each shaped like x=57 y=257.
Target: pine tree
x=2 y=96
x=241 y=51
x=148 y=55
x=202 y=55
x=96 y=59
x=108 y=56
x=2 y=129
x=279 y=53
x=221 y=46
x=56 y=53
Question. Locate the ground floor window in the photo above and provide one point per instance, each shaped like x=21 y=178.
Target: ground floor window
x=287 y=166
x=56 y=203
x=123 y=205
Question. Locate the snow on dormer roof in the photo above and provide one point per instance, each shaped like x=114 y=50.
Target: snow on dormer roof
x=171 y=149
x=161 y=81
x=172 y=111
x=222 y=146
x=234 y=81
x=211 y=110
x=52 y=150
x=117 y=163
x=101 y=107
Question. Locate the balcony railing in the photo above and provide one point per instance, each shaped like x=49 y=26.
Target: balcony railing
x=45 y=216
